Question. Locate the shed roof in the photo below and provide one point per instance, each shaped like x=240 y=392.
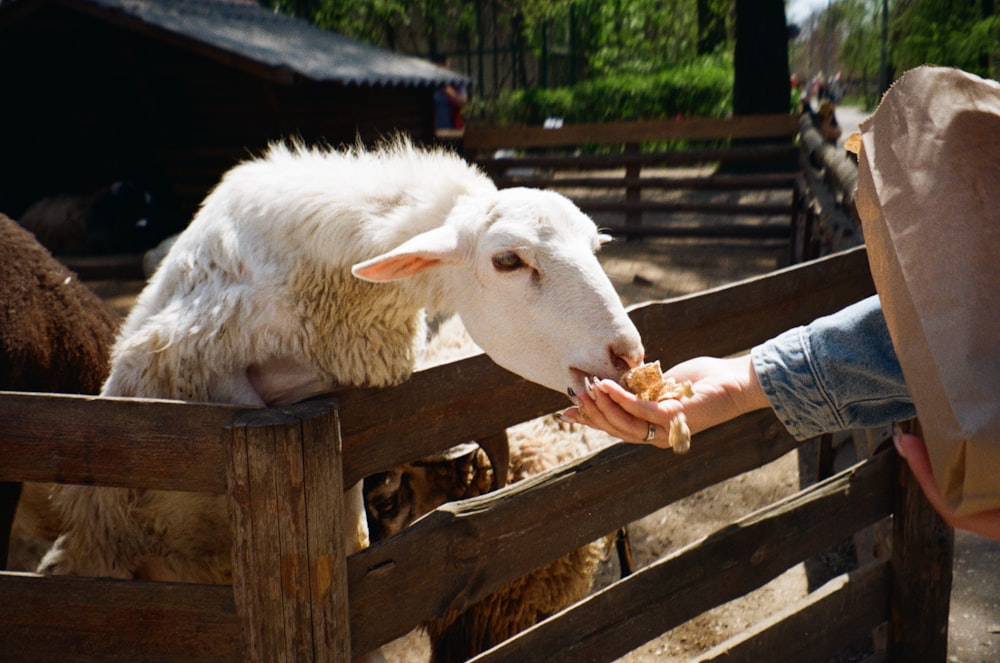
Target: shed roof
x=275 y=44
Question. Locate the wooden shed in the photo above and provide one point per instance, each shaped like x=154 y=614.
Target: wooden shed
x=170 y=93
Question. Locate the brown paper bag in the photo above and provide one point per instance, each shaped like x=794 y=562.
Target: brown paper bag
x=929 y=200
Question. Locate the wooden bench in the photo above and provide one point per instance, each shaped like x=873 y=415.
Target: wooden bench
x=659 y=178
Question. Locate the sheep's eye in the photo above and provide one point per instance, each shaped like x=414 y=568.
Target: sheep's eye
x=507 y=262
x=386 y=506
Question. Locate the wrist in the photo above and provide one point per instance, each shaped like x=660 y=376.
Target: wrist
x=752 y=394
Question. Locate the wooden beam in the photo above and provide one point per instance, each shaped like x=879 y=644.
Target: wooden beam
x=447 y=560
x=838 y=614
x=725 y=182
x=742 y=153
x=752 y=126
x=290 y=530
x=62 y=618
x=627 y=207
x=922 y=556
x=733 y=318
x=719 y=230
x=132 y=443
x=723 y=566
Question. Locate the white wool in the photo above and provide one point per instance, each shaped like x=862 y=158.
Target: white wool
x=308 y=269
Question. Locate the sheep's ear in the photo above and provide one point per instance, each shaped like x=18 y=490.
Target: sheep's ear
x=412 y=256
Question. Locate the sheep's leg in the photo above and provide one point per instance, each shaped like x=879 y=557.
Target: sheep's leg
x=281 y=381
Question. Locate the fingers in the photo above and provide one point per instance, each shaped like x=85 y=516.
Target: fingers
x=616 y=411
x=914 y=450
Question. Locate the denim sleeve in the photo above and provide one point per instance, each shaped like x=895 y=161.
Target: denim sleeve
x=838 y=372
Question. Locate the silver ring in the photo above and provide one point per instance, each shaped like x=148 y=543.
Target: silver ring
x=651 y=434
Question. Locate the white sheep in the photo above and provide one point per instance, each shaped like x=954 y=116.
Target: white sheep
x=308 y=269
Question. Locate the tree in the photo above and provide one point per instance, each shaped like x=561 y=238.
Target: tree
x=760 y=59
x=711 y=25
x=956 y=33
x=861 y=48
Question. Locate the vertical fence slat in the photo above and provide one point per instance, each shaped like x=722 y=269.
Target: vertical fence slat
x=922 y=552
x=287 y=510
x=327 y=541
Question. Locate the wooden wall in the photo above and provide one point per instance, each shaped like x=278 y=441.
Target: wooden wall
x=88 y=102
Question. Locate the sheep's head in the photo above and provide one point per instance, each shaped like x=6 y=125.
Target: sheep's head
x=394 y=499
x=519 y=266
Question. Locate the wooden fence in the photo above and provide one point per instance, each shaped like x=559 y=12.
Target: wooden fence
x=297 y=596
x=829 y=220
x=642 y=178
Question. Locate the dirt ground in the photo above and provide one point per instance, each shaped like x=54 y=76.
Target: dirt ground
x=656 y=269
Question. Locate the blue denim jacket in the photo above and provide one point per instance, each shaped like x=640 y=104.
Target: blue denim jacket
x=838 y=372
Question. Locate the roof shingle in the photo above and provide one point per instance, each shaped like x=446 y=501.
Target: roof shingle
x=274 y=40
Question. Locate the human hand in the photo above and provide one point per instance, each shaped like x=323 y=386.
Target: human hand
x=723 y=390
x=914 y=450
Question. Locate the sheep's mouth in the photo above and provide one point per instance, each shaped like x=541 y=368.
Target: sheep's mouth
x=578 y=378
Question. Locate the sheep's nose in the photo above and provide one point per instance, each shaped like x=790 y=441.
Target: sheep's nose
x=626 y=355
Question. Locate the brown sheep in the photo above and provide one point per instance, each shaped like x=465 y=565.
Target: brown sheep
x=55 y=336
x=397 y=498
x=119 y=218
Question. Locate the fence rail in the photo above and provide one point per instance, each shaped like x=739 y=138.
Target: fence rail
x=297 y=594
x=627 y=172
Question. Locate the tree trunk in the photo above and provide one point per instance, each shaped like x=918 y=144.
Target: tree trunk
x=761 y=76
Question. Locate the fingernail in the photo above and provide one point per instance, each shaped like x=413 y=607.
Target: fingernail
x=897 y=433
x=588 y=387
x=565 y=417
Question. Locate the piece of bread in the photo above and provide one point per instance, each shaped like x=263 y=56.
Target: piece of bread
x=649 y=384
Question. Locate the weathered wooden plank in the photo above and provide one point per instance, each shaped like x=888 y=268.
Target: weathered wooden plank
x=740 y=153
x=720 y=567
x=754 y=182
x=590 y=205
x=921 y=562
x=287 y=509
x=122 y=266
x=474 y=398
x=840 y=173
x=328 y=535
x=446 y=560
x=841 y=612
x=733 y=318
x=69 y=619
x=749 y=126
x=678 y=228
x=116 y=442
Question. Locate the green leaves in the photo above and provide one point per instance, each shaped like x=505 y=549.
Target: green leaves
x=702 y=88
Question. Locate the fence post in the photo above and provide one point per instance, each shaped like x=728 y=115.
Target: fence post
x=921 y=567
x=286 y=502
